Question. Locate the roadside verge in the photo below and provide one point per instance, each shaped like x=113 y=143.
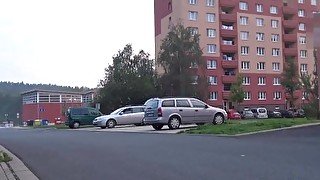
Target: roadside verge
x=15 y=169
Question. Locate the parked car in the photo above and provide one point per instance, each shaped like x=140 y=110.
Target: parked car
x=274 y=114
x=247 y=114
x=299 y=113
x=81 y=116
x=287 y=114
x=176 y=111
x=260 y=113
x=233 y=114
x=122 y=116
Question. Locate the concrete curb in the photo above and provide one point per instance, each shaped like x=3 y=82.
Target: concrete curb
x=15 y=169
x=270 y=130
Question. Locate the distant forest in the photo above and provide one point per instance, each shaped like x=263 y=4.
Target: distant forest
x=10 y=96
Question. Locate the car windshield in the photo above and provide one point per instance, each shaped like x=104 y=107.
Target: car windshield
x=116 y=111
x=152 y=103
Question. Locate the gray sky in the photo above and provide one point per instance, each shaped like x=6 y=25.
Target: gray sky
x=69 y=42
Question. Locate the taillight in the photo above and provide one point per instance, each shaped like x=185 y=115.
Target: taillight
x=159 y=112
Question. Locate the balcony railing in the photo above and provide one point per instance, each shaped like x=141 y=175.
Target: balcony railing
x=228 y=79
x=290 y=52
x=230 y=64
x=291 y=24
x=228 y=17
x=290 y=37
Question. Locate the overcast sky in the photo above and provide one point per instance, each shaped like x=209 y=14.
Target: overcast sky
x=69 y=42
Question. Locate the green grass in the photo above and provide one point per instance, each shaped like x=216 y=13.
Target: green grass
x=4 y=157
x=246 y=126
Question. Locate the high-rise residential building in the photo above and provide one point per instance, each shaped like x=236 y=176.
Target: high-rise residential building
x=248 y=37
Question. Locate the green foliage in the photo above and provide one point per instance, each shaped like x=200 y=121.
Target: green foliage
x=4 y=157
x=130 y=80
x=237 y=92
x=290 y=80
x=178 y=52
x=238 y=127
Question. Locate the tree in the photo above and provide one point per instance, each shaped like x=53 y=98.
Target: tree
x=237 y=92
x=178 y=52
x=310 y=86
x=290 y=80
x=129 y=80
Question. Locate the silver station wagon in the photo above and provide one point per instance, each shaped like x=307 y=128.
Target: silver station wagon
x=176 y=111
x=122 y=116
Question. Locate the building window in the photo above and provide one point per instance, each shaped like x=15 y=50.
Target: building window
x=213 y=96
x=303 y=53
x=276 y=81
x=193 y=2
x=304 y=68
x=301 y=13
x=261 y=81
x=260 y=51
x=262 y=95
x=276 y=66
x=275 y=52
x=213 y=80
x=259 y=7
x=277 y=95
x=302 y=39
x=244 y=50
x=261 y=66
x=211 y=17
x=275 y=37
x=302 y=26
x=247 y=96
x=210 y=2
x=193 y=15
x=211 y=48
x=260 y=21
x=193 y=30
x=244 y=20
x=314 y=2
x=246 y=81
x=301 y=1
x=243 y=6
x=260 y=36
x=211 y=64
x=244 y=35
x=245 y=65
x=274 y=23
x=273 y=9
x=211 y=33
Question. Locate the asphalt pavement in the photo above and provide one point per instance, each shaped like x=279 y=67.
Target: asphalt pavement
x=64 y=154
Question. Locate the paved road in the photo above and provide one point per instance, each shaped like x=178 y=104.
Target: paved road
x=64 y=154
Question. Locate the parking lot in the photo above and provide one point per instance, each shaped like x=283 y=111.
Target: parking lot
x=137 y=129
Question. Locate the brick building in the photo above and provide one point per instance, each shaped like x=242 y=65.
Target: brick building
x=52 y=105
x=252 y=38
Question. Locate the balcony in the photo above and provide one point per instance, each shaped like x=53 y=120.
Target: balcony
x=230 y=64
x=288 y=10
x=228 y=17
x=228 y=79
x=290 y=52
x=228 y=3
x=226 y=95
x=228 y=48
x=290 y=24
x=290 y=38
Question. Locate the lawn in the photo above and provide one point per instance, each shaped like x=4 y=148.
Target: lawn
x=245 y=126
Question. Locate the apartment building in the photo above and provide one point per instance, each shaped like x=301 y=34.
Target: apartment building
x=251 y=38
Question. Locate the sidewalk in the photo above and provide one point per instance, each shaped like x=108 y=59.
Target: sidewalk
x=15 y=169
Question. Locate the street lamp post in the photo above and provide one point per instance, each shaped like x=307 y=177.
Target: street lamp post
x=6 y=117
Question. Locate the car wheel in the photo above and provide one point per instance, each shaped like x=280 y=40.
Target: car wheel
x=76 y=125
x=218 y=119
x=103 y=127
x=157 y=126
x=174 y=123
x=199 y=124
x=111 y=123
x=71 y=126
x=138 y=124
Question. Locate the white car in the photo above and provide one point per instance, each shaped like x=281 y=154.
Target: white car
x=122 y=116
